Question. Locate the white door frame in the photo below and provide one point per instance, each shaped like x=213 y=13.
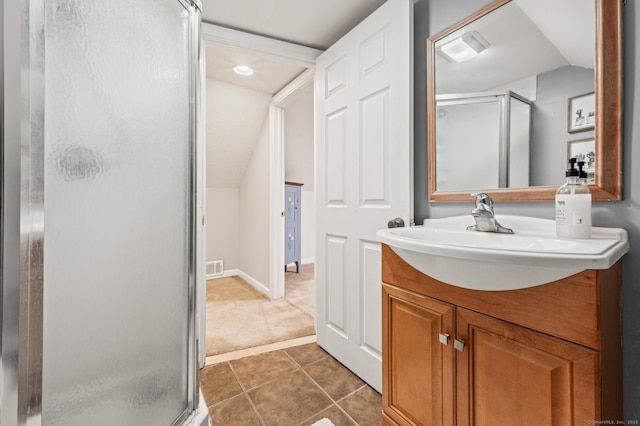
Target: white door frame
x=201 y=202
x=289 y=94
x=300 y=55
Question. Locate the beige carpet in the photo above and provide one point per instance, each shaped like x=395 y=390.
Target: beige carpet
x=240 y=317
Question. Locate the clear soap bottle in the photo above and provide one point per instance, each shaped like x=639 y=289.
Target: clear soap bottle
x=573 y=206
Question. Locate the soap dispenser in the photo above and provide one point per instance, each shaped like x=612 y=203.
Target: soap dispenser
x=582 y=174
x=573 y=206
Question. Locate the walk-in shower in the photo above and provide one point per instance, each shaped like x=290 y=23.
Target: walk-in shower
x=482 y=141
x=106 y=140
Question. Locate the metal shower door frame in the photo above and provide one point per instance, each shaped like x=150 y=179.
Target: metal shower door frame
x=28 y=368
x=503 y=99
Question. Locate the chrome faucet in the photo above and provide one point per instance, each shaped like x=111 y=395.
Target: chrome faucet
x=484 y=216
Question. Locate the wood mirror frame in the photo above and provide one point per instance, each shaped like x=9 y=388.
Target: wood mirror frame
x=608 y=130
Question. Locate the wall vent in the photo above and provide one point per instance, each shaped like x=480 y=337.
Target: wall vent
x=215 y=268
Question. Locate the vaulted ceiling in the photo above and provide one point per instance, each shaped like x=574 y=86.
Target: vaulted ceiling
x=238 y=106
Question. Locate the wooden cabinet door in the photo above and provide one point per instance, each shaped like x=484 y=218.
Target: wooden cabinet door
x=417 y=371
x=507 y=374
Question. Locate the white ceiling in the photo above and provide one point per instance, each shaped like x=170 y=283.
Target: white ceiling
x=316 y=23
x=238 y=106
x=526 y=40
x=272 y=73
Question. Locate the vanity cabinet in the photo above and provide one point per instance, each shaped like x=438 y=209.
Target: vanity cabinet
x=542 y=355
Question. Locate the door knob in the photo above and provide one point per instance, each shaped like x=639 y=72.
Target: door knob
x=396 y=223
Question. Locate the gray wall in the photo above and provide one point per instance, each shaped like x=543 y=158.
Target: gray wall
x=549 y=133
x=431 y=16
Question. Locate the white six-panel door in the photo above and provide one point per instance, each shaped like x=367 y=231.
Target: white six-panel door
x=364 y=178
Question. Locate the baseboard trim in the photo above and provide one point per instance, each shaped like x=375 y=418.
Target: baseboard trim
x=226 y=273
x=307 y=260
x=255 y=283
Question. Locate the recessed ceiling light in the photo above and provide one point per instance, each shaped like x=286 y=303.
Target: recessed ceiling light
x=243 y=70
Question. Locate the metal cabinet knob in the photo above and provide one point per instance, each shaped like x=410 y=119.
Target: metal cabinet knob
x=458 y=345
x=444 y=338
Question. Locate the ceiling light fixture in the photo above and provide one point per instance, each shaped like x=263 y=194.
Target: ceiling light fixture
x=463 y=48
x=243 y=70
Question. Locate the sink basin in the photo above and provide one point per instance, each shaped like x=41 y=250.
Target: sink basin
x=532 y=256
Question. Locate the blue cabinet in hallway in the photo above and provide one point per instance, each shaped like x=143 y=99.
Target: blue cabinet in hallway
x=292 y=224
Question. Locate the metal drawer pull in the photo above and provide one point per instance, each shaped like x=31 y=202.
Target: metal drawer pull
x=444 y=338
x=458 y=345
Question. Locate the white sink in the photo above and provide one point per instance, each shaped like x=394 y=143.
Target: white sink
x=532 y=256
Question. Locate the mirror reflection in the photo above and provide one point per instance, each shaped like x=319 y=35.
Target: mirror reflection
x=514 y=96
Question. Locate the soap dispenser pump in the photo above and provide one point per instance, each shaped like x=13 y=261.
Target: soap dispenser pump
x=573 y=206
x=582 y=174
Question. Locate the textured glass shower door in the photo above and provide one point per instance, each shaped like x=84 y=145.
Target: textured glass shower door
x=118 y=151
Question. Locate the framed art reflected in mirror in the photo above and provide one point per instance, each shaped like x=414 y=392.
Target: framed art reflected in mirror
x=582 y=113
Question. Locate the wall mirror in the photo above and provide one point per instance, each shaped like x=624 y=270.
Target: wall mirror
x=516 y=89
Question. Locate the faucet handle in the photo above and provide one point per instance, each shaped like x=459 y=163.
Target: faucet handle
x=483 y=198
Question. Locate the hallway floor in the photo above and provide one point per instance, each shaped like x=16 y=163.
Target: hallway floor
x=238 y=316
x=298 y=385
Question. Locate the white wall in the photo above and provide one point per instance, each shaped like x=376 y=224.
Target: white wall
x=234 y=120
x=298 y=145
x=223 y=226
x=299 y=166
x=253 y=212
x=238 y=218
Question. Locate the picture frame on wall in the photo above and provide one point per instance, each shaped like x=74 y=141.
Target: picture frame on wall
x=584 y=150
x=582 y=113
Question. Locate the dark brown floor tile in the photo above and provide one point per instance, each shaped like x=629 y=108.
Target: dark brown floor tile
x=218 y=383
x=306 y=354
x=364 y=406
x=234 y=411
x=333 y=413
x=256 y=370
x=334 y=378
x=288 y=400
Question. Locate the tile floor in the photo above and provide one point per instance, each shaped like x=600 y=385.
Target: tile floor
x=294 y=386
